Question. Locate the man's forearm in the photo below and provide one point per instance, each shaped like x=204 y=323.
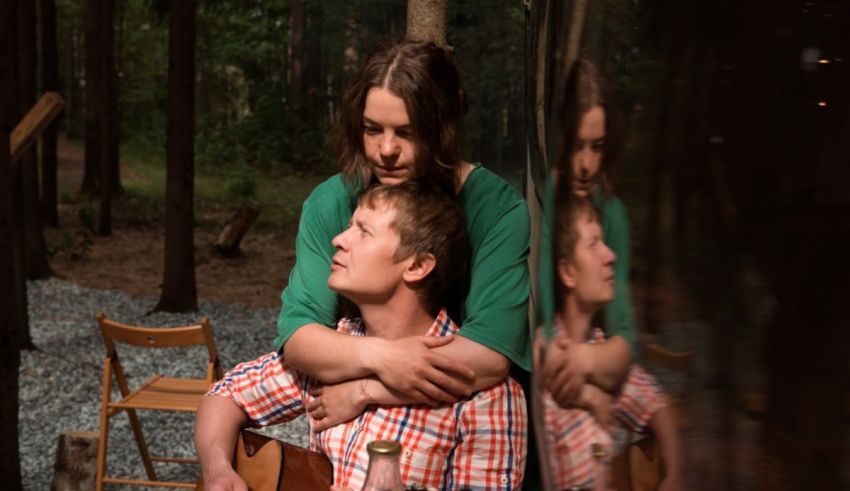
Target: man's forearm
x=216 y=429
x=610 y=363
x=327 y=355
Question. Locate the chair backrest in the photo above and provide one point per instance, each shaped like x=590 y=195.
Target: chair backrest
x=161 y=337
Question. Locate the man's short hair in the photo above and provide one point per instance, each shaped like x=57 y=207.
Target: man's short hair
x=568 y=213
x=429 y=221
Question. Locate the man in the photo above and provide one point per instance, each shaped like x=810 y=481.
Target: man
x=399 y=263
x=584 y=435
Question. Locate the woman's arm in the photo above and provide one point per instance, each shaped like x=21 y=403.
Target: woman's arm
x=408 y=365
x=569 y=365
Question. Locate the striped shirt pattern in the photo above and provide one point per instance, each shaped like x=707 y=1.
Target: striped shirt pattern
x=571 y=433
x=476 y=443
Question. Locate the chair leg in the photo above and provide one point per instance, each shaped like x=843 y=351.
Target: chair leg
x=140 y=441
x=104 y=426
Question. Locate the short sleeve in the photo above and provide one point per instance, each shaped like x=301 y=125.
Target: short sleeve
x=640 y=399
x=266 y=389
x=496 y=309
x=307 y=299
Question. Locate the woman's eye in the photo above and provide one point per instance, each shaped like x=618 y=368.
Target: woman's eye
x=371 y=130
x=598 y=147
x=403 y=134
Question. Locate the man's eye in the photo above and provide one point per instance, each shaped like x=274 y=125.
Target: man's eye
x=598 y=147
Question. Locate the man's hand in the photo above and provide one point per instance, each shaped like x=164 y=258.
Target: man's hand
x=337 y=403
x=225 y=479
x=565 y=369
x=410 y=366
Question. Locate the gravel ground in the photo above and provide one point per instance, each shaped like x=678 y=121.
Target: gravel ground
x=60 y=383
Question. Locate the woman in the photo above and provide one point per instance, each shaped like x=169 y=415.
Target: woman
x=399 y=119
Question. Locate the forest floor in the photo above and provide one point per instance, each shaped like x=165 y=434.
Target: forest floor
x=131 y=259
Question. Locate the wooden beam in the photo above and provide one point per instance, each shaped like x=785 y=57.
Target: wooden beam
x=34 y=123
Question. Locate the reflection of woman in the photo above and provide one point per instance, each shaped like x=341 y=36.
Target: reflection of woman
x=588 y=127
x=401 y=118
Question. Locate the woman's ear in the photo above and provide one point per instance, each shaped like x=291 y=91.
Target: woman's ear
x=566 y=273
x=420 y=267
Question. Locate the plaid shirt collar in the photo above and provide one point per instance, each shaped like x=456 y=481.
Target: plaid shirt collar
x=442 y=326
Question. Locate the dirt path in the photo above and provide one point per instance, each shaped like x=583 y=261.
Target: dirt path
x=131 y=259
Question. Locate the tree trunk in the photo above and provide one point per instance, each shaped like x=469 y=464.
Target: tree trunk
x=50 y=83
x=10 y=328
x=231 y=236
x=35 y=252
x=426 y=21
x=107 y=117
x=296 y=58
x=179 y=293
x=93 y=89
x=76 y=461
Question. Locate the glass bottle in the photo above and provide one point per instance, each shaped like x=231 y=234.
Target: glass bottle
x=383 y=473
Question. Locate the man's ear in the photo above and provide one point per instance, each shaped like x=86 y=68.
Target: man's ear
x=420 y=266
x=566 y=273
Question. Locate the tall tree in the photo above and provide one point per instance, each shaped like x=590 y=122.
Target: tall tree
x=93 y=88
x=49 y=82
x=10 y=341
x=296 y=56
x=179 y=292
x=108 y=121
x=426 y=21
x=100 y=99
x=35 y=252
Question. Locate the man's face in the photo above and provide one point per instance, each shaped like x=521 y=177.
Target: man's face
x=591 y=274
x=387 y=137
x=363 y=268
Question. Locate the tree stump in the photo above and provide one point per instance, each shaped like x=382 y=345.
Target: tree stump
x=231 y=236
x=76 y=461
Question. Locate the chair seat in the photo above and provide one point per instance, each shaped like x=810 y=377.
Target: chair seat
x=166 y=394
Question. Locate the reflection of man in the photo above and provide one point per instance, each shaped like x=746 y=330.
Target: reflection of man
x=581 y=434
x=403 y=249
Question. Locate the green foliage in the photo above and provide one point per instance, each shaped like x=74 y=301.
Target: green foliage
x=74 y=245
x=243 y=185
x=246 y=115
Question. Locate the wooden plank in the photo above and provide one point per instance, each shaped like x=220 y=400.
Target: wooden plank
x=34 y=123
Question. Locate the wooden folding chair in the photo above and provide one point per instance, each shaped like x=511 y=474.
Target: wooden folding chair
x=159 y=393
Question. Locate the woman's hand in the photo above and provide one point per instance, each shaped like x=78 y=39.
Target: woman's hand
x=413 y=368
x=565 y=369
x=337 y=403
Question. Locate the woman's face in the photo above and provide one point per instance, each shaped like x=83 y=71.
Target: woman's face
x=387 y=137
x=588 y=150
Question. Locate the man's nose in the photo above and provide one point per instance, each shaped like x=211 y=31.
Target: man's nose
x=610 y=255
x=339 y=241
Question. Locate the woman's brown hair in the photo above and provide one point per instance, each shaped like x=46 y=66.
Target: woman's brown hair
x=585 y=88
x=424 y=76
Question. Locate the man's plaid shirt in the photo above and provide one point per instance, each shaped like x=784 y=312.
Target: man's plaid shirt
x=571 y=433
x=476 y=443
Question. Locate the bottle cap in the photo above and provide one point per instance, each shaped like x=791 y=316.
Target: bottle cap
x=384 y=447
